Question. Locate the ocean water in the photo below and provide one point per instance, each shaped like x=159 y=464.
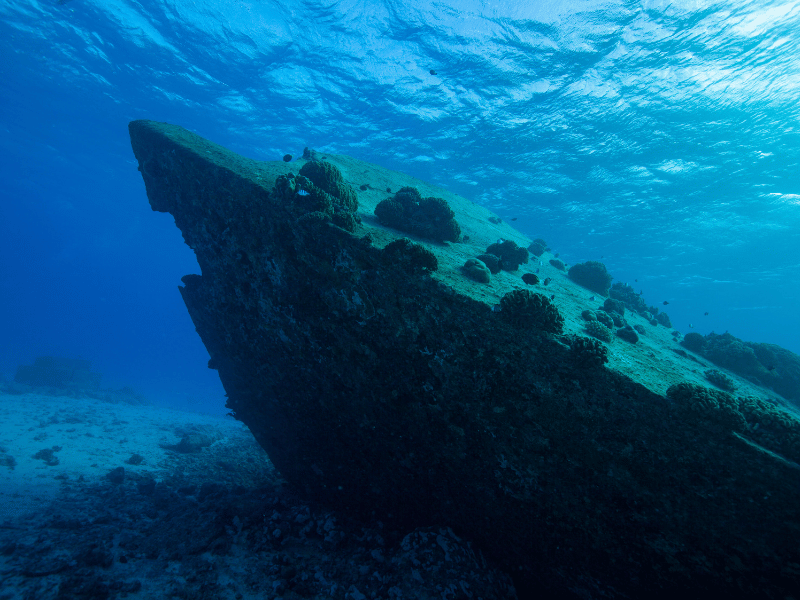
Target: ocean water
x=662 y=138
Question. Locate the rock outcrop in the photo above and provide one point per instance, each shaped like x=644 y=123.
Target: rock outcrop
x=377 y=388
x=60 y=373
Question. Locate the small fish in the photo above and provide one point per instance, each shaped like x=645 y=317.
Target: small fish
x=665 y=302
x=691 y=326
x=636 y=280
x=287 y=157
x=432 y=72
x=552 y=297
x=514 y=219
x=303 y=193
x=547 y=281
x=706 y=314
x=771 y=368
x=591 y=297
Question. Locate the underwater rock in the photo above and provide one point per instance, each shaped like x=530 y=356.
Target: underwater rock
x=614 y=306
x=628 y=334
x=732 y=353
x=537 y=247
x=591 y=275
x=719 y=379
x=6 y=460
x=693 y=341
x=314 y=201
x=429 y=218
x=491 y=261
x=523 y=308
x=327 y=177
x=379 y=389
x=628 y=296
x=116 y=476
x=511 y=256
x=617 y=319
x=191 y=443
x=605 y=318
x=476 y=270
x=48 y=455
x=588 y=352
x=765 y=364
x=311 y=154
x=715 y=408
x=59 y=373
x=771 y=426
x=558 y=264
x=409 y=256
x=599 y=330
x=135 y=459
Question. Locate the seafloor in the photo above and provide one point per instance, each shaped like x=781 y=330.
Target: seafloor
x=200 y=514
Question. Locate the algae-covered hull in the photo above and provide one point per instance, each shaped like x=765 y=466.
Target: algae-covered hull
x=381 y=384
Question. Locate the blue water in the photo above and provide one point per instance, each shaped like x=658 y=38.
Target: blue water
x=662 y=138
